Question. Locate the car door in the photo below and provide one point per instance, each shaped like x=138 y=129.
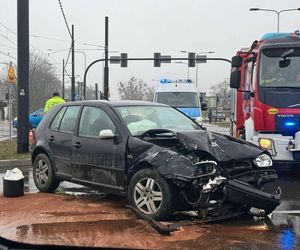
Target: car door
x=60 y=138
x=99 y=162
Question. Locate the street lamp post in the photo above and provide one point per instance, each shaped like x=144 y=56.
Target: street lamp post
x=275 y=11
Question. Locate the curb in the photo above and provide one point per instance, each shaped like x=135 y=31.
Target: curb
x=15 y=163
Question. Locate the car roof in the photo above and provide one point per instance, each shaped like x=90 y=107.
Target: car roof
x=116 y=103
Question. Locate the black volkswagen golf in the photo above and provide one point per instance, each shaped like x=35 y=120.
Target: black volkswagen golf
x=155 y=155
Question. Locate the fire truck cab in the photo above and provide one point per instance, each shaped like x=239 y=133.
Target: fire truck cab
x=265 y=82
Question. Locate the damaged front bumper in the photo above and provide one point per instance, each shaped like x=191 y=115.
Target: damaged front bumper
x=244 y=194
x=218 y=191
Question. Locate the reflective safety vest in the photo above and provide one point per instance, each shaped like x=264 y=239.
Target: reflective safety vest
x=267 y=80
x=53 y=101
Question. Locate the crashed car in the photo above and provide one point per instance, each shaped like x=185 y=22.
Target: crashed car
x=158 y=157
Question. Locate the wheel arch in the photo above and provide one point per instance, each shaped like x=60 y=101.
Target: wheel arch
x=40 y=150
x=137 y=167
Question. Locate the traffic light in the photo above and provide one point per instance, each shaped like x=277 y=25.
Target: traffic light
x=157 y=59
x=124 y=60
x=192 y=59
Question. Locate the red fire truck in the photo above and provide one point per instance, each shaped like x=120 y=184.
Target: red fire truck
x=265 y=82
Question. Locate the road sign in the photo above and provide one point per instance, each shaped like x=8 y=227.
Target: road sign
x=11 y=74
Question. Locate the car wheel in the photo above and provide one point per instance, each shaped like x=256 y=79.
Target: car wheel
x=43 y=174
x=151 y=194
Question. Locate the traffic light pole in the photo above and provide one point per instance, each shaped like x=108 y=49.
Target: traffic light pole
x=73 y=67
x=106 y=69
x=23 y=76
x=146 y=59
x=63 y=80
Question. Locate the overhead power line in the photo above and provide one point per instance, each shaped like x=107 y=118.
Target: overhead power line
x=8 y=55
x=8 y=29
x=64 y=16
x=7 y=46
x=50 y=38
x=8 y=39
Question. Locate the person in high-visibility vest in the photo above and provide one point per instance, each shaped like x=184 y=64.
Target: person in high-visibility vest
x=54 y=100
x=271 y=75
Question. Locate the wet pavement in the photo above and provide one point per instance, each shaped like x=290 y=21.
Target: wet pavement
x=79 y=216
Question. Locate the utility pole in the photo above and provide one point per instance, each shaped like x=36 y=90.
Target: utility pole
x=23 y=76
x=73 y=68
x=63 y=80
x=96 y=91
x=106 y=69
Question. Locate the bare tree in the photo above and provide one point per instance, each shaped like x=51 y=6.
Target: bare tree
x=222 y=91
x=135 y=89
x=43 y=81
x=149 y=94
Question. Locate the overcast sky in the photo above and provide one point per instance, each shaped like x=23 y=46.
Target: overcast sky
x=141 y=27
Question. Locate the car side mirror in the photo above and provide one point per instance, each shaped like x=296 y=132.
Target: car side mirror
x=235 y=79
x=236 y=61
x=106 y=134
x=203 y=106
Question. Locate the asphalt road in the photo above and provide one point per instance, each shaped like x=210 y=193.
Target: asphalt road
x=281 y=230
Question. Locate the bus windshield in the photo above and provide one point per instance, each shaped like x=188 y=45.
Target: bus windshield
x=178 y=99
x=280 y=68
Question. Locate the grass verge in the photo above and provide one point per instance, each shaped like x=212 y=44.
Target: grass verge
x=8 y=151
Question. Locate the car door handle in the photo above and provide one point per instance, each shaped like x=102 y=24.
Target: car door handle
x=51 y=138
x=77 y=145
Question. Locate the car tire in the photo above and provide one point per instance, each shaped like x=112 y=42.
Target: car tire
x=151 y=194
x=43 y=174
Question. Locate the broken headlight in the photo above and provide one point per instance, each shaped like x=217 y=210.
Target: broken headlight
x=263 y=161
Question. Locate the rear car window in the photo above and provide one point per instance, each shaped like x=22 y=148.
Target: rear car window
x=56 y=121
x=68 y=122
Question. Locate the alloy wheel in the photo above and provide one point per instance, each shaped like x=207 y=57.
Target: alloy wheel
x=148 y=195
x=42 y=172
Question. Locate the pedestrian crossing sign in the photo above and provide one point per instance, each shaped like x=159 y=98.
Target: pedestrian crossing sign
x=11 y=74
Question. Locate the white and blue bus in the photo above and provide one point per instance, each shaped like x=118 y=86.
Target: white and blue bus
x=181 y=94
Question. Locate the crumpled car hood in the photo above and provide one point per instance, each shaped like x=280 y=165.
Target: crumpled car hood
x=221 y=147
x=168 y=160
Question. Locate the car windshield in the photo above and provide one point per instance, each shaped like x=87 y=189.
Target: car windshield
x=143 y=118
x=280 y=68
x=178 y=99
